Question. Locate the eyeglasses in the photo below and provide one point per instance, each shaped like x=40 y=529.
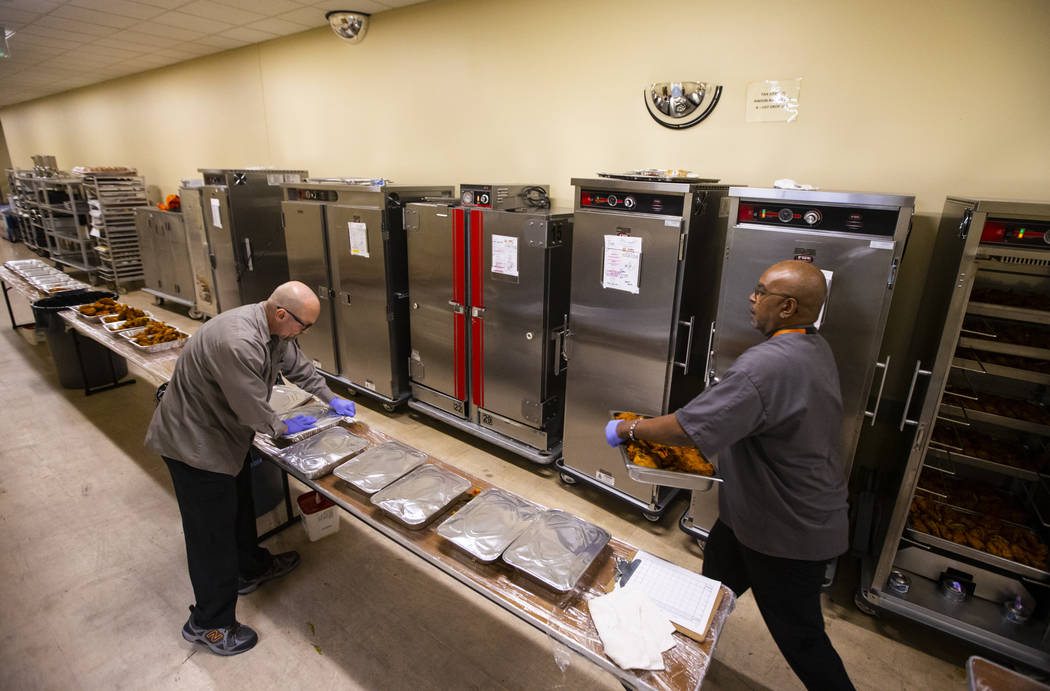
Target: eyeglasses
x=761 y=292
x=303 y=324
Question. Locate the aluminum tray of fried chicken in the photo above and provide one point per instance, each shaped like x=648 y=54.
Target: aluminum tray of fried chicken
x=675 y=460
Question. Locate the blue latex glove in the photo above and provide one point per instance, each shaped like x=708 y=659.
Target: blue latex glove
x=611 y=436
x=343 y=407
x=299 y=423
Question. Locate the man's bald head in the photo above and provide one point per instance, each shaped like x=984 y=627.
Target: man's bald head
x=291 y=309
x=789 y=293
x=802 y=281
x=295 y=296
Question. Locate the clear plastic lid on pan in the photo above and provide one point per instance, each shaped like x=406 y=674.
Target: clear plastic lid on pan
x=319 y=411
x=379 y=466
x=421 y=495
x=283 y=398
x=556 y=549
x=489 y=523
x=325 y=450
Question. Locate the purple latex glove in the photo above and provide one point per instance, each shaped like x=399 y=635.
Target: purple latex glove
x=297 y=424
x=611 y=436
x=341 y=406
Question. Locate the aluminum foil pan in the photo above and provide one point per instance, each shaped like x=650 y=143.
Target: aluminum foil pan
x=379 y=466
x=420 y=496
x=324 y=415
x=556 y=549
x=489 y=523
x=283 y=398
x=320 y=453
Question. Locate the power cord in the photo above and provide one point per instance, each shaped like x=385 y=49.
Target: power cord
x=536 y=197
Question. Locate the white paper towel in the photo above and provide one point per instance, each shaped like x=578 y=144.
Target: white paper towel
x=633 y=630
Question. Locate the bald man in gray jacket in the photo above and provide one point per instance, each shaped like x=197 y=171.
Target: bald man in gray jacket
x=215 y=403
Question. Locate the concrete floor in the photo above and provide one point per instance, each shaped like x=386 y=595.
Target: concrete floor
x=95 y=589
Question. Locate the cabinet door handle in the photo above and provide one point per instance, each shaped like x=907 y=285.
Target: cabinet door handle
x=911 y=390
x=885 y=367
x=688 y=345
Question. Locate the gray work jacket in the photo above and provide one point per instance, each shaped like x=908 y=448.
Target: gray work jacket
x=217 y=398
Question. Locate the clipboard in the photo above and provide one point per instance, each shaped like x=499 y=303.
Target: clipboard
x=659 y=575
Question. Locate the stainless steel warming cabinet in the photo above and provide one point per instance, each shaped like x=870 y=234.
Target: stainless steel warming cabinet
x=857 y=240
x=205 y=298
x=489 y=298
x=345 y=239
x=242 y=219
x=166 y=270
x=957 y=534
x=645 y=262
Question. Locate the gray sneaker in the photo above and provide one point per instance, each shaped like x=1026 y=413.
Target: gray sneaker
x=281 y=565
x=225 y=640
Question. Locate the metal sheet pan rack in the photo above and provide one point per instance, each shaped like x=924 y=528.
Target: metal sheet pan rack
x=112 y=200
x=60 y=214
x=977 y=415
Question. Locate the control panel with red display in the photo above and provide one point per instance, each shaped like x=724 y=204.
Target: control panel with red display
x=634 y=202
x=1016 y=233
x=839 y=219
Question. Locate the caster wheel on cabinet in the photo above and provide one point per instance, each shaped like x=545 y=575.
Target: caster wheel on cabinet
x=389 y=407
x=567 y=479
x=702 y=544
x=652 y=517
x=159 y=302
x=863 y=605
x=196 y=314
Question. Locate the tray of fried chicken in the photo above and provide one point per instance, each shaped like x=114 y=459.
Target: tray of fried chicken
x=979 y=522
x=95 y=311
x=668 y=466
x=156 y=336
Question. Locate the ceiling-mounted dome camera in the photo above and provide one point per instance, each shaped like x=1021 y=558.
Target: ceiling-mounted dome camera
x=349 y=25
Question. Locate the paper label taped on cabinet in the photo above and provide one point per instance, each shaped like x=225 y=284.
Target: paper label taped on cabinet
x=358 y=239
x=621 y=263
x=505 y=255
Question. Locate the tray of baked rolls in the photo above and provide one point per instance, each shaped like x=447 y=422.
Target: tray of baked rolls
x=977 y=521
x=667 y=466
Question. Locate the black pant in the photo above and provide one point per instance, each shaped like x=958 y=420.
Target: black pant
x=218 y=519
x=787 y=592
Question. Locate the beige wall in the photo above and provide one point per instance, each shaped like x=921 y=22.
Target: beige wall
x=929 y=97
x=5 y=163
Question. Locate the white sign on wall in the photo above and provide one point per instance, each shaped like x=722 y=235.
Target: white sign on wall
x=773 y=100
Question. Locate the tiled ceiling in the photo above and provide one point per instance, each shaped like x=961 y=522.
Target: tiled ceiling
x=64 y=44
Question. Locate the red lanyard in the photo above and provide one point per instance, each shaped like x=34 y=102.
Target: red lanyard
x=788 y=331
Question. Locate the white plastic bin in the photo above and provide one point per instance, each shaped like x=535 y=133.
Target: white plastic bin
x=320 y=515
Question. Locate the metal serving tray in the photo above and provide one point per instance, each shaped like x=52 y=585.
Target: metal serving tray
x=659 y=476
x=977 y=555
x=953 y=456
x=1004 y=348
x=144 y=312
x=1000 y=420
x=283 y=398
x=325 y=419
x=489 y=523
x=419 y=497
x=323 y=451
x=156 y=347
x=1000 y=370
x=379 y=466
x=93 y=317
x=989 y=309
x=557 y=549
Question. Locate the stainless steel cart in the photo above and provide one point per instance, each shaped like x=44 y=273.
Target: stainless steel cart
x=489 y=298
x=970 y=442
x=346 y=239
x=645 y=262
x=858 y=241
x=242 y=219
x=206 y=300
x=166 y=269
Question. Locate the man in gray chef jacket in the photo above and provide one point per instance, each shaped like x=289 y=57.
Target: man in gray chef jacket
x=773 y=421
x=203 y=427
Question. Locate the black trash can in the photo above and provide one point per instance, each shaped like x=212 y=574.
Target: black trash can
x=267 y=485
x=63 y=348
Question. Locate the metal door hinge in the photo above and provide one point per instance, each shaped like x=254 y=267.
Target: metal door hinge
x=456 y=307
x=477 y=312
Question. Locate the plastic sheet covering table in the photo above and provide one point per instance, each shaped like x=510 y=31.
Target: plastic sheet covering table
x=563 y=617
